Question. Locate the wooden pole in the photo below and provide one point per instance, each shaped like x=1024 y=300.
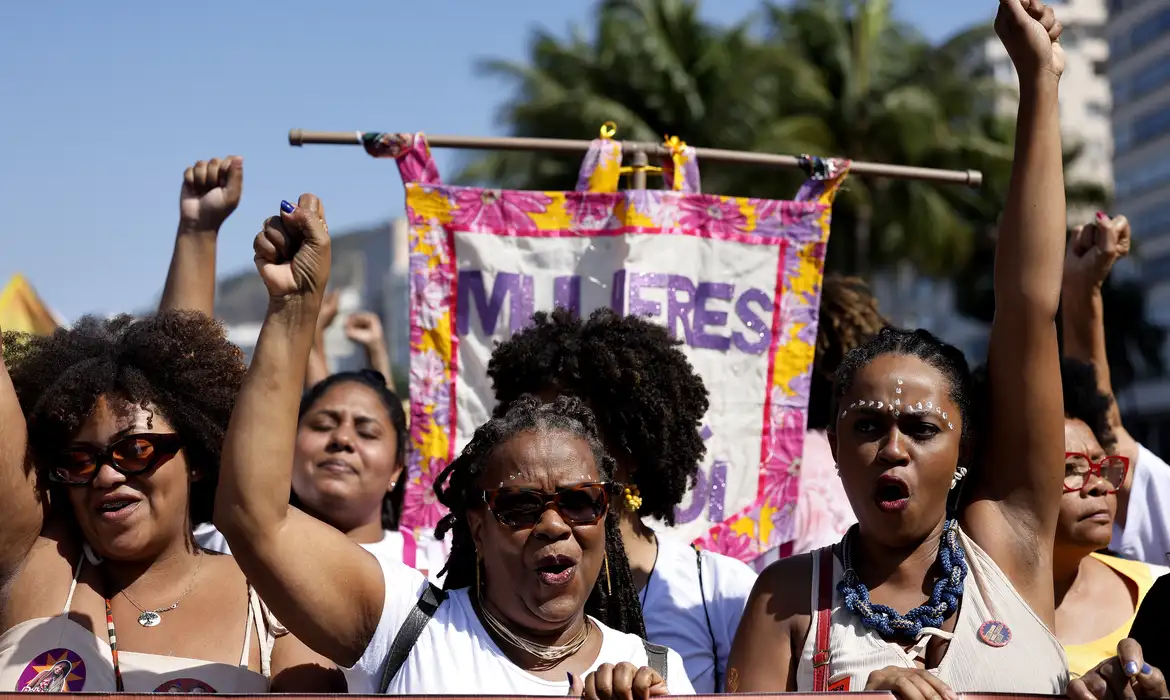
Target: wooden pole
x=643 y=150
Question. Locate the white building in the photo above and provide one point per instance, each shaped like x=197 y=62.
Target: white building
x=1139 y=40
x=1085 y=96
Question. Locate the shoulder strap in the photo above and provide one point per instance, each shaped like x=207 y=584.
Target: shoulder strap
x=408 y=634
x=707 y=614
x=656 y=658
x=822 y=616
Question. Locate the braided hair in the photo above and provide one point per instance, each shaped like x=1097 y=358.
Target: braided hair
x=392 y=501
x=650 y=401
x=849 y=316
x=457 y=487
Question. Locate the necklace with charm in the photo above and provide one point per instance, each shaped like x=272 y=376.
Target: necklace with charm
x=153 y=618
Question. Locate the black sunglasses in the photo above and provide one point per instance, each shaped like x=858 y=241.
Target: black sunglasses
x=583 y=504
x=129 y=455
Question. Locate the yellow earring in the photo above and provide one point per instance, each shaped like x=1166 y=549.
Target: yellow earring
x=633 y=498
x=608 y=587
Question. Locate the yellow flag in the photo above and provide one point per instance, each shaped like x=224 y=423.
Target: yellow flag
x=22 y=310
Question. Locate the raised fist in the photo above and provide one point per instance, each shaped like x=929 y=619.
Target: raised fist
x=1029 y=31
x=364 y=328
x=329 y=305
x=293 y=250
x=211 y=192
x=1093 y=249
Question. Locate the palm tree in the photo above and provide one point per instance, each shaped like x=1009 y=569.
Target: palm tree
x=828 y=77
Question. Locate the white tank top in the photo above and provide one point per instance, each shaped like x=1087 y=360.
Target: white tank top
x=56 y=654
x=1032 y=660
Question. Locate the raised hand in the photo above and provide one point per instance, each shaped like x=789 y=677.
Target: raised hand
x=211 y=192
x=1093 y=249
x=364 y=328
x=293 y=251
x=1029 y=31
x=329 y=305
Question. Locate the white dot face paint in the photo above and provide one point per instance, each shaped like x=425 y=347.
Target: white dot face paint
x=897 y=408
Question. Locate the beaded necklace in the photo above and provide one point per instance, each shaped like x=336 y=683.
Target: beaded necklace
x=944 y=600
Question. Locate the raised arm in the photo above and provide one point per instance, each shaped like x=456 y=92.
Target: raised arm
x=365 y=329
x=318 y=368
x=210 y=193
x=1017 y=487
x=20 y=499
x=1092 y=251
x=325 y=589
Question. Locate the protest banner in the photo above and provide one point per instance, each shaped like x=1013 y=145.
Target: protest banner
x=736 y=279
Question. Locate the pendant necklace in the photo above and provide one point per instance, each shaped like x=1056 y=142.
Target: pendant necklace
x=153 y=618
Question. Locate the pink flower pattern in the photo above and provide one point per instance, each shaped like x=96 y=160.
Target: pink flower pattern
x=496 y=211
x=710 y=212
x=503 y=212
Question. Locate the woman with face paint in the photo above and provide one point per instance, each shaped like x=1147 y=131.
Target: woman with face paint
x=922 y=599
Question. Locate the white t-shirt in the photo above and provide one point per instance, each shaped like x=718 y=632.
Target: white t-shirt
x=675 y=617
x=399 y=546
x=454 y=655
x=1146 y=536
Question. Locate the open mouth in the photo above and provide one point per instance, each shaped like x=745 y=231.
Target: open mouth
x=892 y=494
x=556 y=570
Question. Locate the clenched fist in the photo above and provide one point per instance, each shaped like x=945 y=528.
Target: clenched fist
x=1093 y=249
x=1029 y=31
x=292 y=252
x=364 y=328
x=211 y=192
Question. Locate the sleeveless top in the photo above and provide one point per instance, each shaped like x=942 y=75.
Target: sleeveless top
x=1029 y=658
x=56 y=654
x=1082 y=658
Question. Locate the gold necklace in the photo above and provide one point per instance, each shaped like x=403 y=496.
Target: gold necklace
x=548 y=656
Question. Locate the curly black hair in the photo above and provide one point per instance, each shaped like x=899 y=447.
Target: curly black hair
x=614 y=602
x=1083 y=401
x=964 y=391
x=648 y=398
x=849 y=316
x=178 y=363
x=392 y=501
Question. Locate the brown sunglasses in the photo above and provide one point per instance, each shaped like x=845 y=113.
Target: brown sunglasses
x=583 y=504
x=129 y=455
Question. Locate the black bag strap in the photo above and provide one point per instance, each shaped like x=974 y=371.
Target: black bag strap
x=707 y=614
x=408 y=634
x=656 y=658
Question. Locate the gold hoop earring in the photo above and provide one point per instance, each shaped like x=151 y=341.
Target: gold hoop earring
x=608 y=587
x=633 y=498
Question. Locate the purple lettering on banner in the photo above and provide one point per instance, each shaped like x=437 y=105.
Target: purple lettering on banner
x=680 y=305
x=698 y=501
x=567 y=293
x=523 y=304
x=759 y=344
x=718 y=491
x=617 y=294
x=704 y=317
x=644 y=280
x=471 y=289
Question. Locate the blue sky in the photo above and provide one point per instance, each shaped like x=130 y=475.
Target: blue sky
x=105 y=104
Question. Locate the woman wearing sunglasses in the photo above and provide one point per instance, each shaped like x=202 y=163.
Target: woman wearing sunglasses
x=538 y=598
x=99 y=574
x=1097 y=596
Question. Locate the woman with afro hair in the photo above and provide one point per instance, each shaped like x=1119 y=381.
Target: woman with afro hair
x=122 y=421
x=649 y=403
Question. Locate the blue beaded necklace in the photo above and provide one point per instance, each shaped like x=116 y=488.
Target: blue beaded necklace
x=943 y=603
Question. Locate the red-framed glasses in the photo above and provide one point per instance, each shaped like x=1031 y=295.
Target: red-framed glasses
x=129 y=455
x=583 y=504
x=1078 y=468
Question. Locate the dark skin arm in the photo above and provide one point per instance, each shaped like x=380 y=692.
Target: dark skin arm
x=21 y=500
x=295 y=562
x=772 y=631
x=211 y=192
x=1017 y=488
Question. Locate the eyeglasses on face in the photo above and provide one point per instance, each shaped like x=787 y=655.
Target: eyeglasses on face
x=583 y=504
x=1079 y=468
x=129 y=455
